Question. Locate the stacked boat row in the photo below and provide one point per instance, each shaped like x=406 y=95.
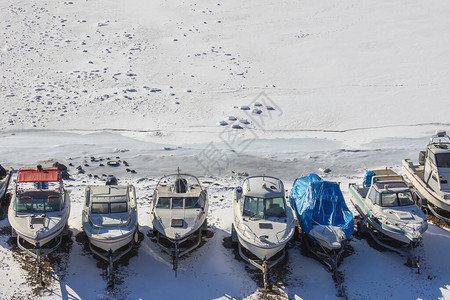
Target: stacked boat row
x=264 y=221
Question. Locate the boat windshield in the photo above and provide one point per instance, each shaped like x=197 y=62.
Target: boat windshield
x=178 y=202
x=38 y=205
x=109 y=208
x=264 y=208
x=443 y=160
x=396 y=199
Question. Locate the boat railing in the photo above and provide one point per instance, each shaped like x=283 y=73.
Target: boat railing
x=249 y=233
x=440 y=137
x=284 y=231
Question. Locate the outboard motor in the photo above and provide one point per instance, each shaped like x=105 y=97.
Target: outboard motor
x=421 y=158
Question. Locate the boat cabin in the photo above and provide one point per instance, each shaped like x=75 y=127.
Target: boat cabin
x=262 y=197
x=182 y=193
x=39 y=191
x=436 y=161
x=390 y=193
x=107 y=199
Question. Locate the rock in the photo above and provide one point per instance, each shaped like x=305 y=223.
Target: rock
x=242 y=173
x=63 y=169
x=325 y=170
x=113 y=163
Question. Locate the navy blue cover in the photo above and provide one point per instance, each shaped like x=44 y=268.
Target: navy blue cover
x=321 y=201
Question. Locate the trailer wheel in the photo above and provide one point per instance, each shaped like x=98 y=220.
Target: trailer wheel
x=360 y=229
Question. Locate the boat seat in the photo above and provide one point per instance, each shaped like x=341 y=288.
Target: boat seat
x=24 y=203
x=53 y=198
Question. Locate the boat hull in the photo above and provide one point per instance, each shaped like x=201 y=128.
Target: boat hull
x=263 y=253
x=112 y=244
x=423 y=189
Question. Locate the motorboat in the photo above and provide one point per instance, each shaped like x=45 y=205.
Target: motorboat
x=386 y=207
x=110 y=222
x=5 y=178
x=179 y=212
x=431 y=177
x=325 y=221
x=39 y=212
x=263 y=223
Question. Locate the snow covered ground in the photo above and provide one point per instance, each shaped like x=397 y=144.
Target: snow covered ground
x=346 y=85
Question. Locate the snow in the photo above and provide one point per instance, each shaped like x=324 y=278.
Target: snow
x=220 y=89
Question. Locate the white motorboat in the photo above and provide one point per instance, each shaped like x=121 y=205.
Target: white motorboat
x=39 y=211
x=263 y=222
x=386 y=207
x=5 y=178
x=431 y=177
x=179 y=212
x=110 y=221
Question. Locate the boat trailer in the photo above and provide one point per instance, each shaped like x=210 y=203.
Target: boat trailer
x=329 y=258
x=111 y=257
x=264 y=266
x=38 y=252
x=176 y=252
x=428 y=207
x=409 y=252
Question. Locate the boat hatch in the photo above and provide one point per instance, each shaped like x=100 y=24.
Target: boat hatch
x=404 y=215
x=177 y=222
x=265 y=226
x=38 y=220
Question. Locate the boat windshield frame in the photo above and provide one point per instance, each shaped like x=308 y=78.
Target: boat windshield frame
x=397 y=202
x=39 y=204
x=163 y=201
x=245 y=200
x=99 y=200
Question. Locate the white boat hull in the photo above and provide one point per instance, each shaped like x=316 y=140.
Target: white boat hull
x=263 y=253
x=112 y=244
x=424 y=190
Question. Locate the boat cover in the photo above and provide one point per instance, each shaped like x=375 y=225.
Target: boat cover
x=368 y=178
x=318 y=202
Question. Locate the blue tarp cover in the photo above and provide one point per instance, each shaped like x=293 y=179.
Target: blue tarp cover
x=368 y=178
x=321 y=201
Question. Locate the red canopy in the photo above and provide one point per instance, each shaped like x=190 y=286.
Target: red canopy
x=38 y=176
